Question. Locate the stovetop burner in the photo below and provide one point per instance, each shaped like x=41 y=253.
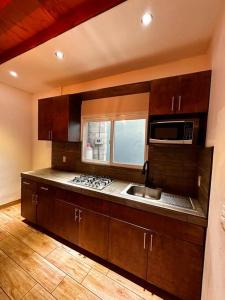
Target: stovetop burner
x=95 y=182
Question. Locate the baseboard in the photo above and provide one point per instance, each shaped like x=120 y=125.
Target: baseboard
x=10 y=203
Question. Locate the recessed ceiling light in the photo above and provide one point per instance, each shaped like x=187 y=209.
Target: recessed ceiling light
x=13 y=73
x=146 y=19
x=59 y=54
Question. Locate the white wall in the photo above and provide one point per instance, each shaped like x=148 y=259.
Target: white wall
x=214 y=271
x=41 y=150
x=15 y=140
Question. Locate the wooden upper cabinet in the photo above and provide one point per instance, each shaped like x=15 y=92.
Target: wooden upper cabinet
x=45 y=119
x=163 y=96
x=128 y=247
x=59 y=118
x=194 y=92
x=175 y=266
x=180 y=94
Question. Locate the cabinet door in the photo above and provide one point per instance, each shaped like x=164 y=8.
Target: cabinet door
x=128 y=246
x=175 y=266
x=66 y=220
x=28 y=200
x=93 y=232
x=194 y=92
x=60 y=118
x=44 y=119
x=163 y=96
x=45 y=206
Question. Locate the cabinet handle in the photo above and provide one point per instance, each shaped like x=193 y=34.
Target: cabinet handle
x=172 y=104
x=75 y=214
x=49 y=134
x=179 y=103
x=145 y=234
x=80 y=211
x=43 y=188
x=34 y=199
x=26 y=183
x=151 y=242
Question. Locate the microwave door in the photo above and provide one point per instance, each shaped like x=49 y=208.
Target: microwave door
x=167 y=131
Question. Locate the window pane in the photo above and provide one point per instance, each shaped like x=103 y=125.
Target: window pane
x=96 y=141
x=129 y=142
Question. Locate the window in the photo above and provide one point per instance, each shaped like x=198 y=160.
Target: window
x=129 y=142
x=115 y=141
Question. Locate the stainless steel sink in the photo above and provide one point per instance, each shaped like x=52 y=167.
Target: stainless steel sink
x=144 y=192
x=140 y=191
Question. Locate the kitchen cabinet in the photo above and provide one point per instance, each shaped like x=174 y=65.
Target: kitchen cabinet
x=93 y=232
x=128 y=247
x=163 y=96
x=45 y=205
x=66 y=220
x=175 y=266
x=194 y=92
x=165 y=252
x=180 y=94
x=59 y=118
x=45 y=119
x=28 y=200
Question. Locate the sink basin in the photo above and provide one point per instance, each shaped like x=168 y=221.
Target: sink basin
x=144 y=192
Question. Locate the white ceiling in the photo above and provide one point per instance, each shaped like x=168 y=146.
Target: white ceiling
x=116 y=42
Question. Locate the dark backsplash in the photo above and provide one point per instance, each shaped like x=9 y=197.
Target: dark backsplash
x=72 y=151
x=205 y=170
x=174 y=168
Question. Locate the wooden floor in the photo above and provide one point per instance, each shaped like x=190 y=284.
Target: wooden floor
x=35 y=266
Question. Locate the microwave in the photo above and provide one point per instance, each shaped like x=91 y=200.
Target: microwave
x=183 y=131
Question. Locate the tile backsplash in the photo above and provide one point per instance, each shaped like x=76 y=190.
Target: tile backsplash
x=174 y=168
x=72 y=152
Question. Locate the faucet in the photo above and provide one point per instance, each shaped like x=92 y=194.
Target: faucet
x=145 y=171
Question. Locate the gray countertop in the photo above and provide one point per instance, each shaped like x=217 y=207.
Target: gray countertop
x=114 y=193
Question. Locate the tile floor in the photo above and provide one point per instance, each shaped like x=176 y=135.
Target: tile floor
x=35 y=266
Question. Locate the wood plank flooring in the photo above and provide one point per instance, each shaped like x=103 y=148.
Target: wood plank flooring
x=34 y=266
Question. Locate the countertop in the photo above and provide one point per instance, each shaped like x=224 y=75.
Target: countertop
x=113 y=193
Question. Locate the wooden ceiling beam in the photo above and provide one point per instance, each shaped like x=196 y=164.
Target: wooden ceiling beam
x=4 y=3
x=79 y=14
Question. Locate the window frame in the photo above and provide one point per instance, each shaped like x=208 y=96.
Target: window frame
x=112 y=118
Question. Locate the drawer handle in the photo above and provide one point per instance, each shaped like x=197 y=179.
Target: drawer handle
x=44 y=188
x=26 y=183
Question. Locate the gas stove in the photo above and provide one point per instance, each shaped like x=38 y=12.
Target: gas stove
x=95 y=182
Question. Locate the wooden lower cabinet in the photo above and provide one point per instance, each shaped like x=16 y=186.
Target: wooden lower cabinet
x=65 y=220
x=128 y=247
x=28 y=200
x=168 y=257
x=45 y=205
x=176 y=266
x=94 y=232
